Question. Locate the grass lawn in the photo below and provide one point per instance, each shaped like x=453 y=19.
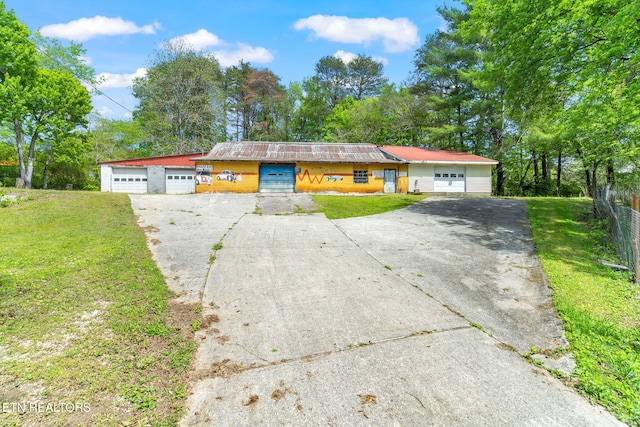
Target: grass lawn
x=600 y=307
x=86 y=321
x=336 y=207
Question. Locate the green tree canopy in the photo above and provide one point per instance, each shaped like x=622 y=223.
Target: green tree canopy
x=181 y=104
x=42 y=103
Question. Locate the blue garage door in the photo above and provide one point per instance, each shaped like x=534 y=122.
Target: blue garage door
x=277 y=179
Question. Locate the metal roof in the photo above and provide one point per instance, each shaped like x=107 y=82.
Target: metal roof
x=291 y=152
x=434 y=155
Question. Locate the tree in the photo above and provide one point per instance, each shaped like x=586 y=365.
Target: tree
x=118 y=139
x=331 y=74
x=570 y=59
x=43 y=103
x=236 y=107
x=312 y=109
x=365 y=77
x=181 y=104
x=263 y=93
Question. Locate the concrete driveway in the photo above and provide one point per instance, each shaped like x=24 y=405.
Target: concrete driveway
x=410 y=318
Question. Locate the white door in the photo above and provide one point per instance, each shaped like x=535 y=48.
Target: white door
x=449 y=179
x=179 y=181
x=129 y=180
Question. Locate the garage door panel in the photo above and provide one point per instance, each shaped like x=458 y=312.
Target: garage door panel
x=450 y=179
x=129 y=181
x=277 y=178
x=179 y=181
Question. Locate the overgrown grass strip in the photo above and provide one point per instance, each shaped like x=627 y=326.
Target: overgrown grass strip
x=600 y=307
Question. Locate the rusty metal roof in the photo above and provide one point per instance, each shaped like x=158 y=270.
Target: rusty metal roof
x=291 y=152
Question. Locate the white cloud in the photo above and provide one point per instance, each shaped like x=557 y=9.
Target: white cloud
x=229 y=57
x=347 y=57
x=397 y=35
x=201 y=39
x=87 y=28
x=104 y=111
x=117 y=81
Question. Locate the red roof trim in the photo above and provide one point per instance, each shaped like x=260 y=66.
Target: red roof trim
x=170 y=160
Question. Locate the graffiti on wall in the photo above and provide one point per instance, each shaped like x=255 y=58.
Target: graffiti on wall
x=317 y=179
x=228 y=175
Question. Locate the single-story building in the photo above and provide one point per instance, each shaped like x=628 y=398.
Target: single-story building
x=433 y=170
x=249 y=167
x=173 y=174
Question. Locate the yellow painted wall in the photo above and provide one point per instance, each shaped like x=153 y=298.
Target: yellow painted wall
x=311 y=178
x=339 y=177
x=245 y=177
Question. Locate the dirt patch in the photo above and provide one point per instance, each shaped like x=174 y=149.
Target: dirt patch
x=150 y=229
x=222 y=339
x=281 y=392
x=252 y=399
x=226 y=368
x=209 y=319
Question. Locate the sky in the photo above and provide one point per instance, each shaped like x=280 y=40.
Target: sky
x=288 y=36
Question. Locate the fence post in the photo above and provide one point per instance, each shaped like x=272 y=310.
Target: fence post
x=635 y=237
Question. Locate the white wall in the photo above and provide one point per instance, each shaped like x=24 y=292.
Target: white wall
x=105 y=177
x=420 y=177
x=479 y=179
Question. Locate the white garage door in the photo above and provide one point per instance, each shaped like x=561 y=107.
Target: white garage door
x=180 y=181
x=449 y=179
x=129 y=180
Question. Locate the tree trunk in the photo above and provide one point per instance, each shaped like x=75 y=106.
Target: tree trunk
x=45 y=173
x=499 y=180
x=20 y=147
x=611 y=178
x=559 y=172
x=26 y=170
x=587 y=174
x=546 y=174
x=536 y=175
x=497 y=136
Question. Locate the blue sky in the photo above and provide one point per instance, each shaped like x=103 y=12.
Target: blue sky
x=288 y=37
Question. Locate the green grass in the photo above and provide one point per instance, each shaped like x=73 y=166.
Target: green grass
x=600 y=307
x=85 y=314
x=337 y=207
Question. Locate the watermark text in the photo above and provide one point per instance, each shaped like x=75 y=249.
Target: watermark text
x=25 y=407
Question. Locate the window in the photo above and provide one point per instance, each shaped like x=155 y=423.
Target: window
x=438 y=175
x=116 y=179
x=460 y=175
x=183 y=177
x=137 y=179
x=453 y=175
x=169 y=176
x=360 y=176
x=445 y=175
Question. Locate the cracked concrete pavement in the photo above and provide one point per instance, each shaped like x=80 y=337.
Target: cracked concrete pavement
x=415 y=317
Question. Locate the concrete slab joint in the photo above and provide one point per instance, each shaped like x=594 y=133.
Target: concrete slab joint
x=419 y=316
